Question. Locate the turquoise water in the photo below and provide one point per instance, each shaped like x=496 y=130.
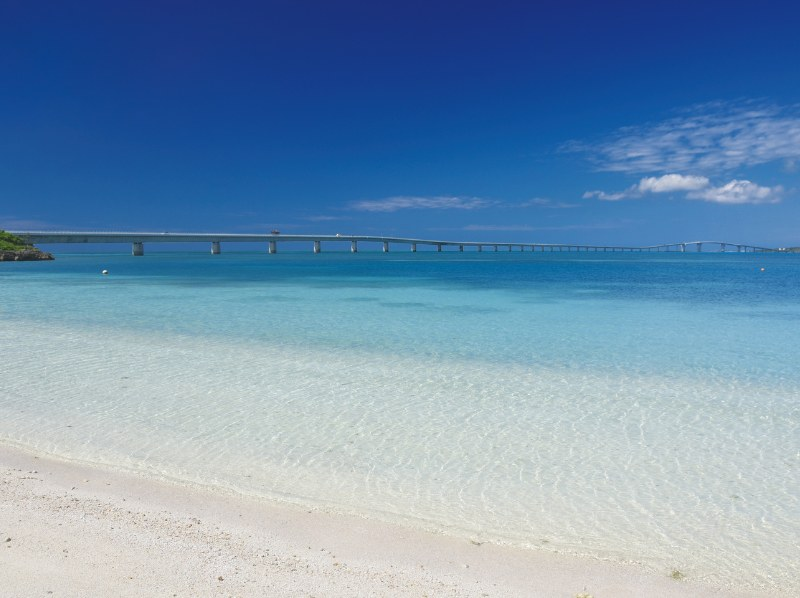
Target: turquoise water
x=637 y=407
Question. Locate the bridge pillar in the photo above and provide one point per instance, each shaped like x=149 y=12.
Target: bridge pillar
x=722 y=247
x=683 y=247
x=215 y=248
x=317 y=247
x=438 y=247
x=414 y=247
x=461 y=248
x=699 y=247
x=353 y=246
x=386 y=247
x=495 y=247
x=138 y=248
x=510 y=248
x=480 y=248
x=273 y=247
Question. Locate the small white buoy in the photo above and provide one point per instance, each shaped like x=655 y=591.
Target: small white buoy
x=762 y=269
x=105 y=272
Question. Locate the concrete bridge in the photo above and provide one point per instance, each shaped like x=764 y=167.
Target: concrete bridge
x=271 y=241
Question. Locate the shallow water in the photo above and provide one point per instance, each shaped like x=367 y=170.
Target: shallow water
x=636 y=407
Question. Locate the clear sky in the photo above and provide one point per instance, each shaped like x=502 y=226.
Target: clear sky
x=590 y=121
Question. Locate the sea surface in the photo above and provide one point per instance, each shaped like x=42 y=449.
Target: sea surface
x=631 y=407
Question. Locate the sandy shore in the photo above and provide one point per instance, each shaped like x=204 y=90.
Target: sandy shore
x=74 y=530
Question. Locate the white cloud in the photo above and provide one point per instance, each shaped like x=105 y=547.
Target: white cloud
x=672 y=182
x=611 y=196
x=739 y=192
x=696 y=187
x=393 y=204
x=713 y=137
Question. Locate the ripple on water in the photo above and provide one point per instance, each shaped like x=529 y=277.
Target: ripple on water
x=697 y=473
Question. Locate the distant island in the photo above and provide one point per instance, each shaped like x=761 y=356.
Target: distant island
x=15 y=249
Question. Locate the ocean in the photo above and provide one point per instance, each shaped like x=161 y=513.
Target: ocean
x=637 y=407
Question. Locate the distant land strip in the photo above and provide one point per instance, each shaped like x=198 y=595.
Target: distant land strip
x=138 y=239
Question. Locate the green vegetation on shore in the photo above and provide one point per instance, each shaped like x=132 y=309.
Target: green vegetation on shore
x=13 y=248
x=9 y=242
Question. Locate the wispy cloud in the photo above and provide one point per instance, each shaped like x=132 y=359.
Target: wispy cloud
x=670 y=183
x=602 y=195
x=707 y=138
x=739 y=192
x=393 y=204
x=544 y=202
x=696 y=187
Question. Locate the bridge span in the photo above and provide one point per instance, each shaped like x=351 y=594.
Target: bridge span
x=271 y=241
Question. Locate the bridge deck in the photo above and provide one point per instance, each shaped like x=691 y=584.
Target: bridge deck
x=137 y=239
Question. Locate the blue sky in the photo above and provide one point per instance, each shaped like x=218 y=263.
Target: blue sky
x=596 y=122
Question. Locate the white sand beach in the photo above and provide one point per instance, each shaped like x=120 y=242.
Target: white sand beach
x=76 y=530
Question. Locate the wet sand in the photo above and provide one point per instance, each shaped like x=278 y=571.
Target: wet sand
x=70 y=529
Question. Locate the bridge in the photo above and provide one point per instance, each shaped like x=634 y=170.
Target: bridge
x=271 y=241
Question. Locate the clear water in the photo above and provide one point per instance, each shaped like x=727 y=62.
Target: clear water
x=638 y=407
